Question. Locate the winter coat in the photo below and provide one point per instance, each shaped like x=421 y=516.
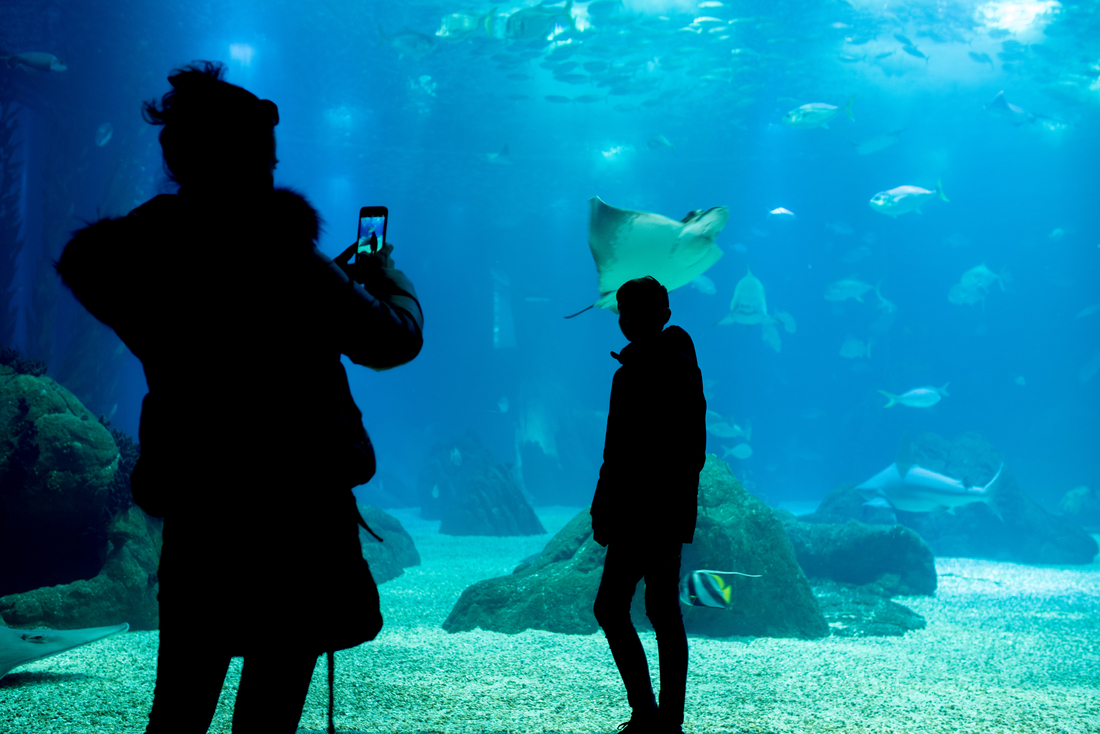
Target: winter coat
x=655 y=445
x=250 y=439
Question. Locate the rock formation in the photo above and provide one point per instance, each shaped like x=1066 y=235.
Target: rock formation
x=735 y=531
x=1081 y=505
x=387 y=559
x=57 y=463
x=446 y=471
x=124 y=590
x=491 y=503
x=894 y=559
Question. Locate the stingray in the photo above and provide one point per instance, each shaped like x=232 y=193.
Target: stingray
x=18 y=647
x=628 y=244
x=749 y=306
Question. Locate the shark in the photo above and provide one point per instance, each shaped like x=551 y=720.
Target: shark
x=912 y=488
x=749 y=306
x=18 y=647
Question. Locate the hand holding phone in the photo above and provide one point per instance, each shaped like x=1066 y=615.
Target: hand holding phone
x=372 y=229
x=370 y=248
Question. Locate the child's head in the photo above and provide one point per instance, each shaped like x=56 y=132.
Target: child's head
x=643 y=307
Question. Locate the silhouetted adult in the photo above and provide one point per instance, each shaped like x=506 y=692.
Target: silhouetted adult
x=645 y=503
x=250 y=439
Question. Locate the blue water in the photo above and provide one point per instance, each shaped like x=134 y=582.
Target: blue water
x=488 y=243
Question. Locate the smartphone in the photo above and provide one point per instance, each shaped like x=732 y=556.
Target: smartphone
x=372 y=221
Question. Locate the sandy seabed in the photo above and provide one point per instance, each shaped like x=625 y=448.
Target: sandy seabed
x=1008 y=648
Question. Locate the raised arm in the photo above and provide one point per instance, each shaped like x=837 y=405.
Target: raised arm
x=378 y=323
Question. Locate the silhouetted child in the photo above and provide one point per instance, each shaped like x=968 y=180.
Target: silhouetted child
x=645 y=503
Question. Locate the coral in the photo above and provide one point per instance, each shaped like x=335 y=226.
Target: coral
x=22 y=365
x=57 y=464
x=120 y=496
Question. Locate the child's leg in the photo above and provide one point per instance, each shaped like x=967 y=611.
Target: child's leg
x=662 y=606
x=621 y=573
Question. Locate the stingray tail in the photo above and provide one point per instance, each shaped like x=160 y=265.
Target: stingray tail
x=578 y=313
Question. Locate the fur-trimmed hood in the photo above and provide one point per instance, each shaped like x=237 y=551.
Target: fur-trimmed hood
x=90 y=262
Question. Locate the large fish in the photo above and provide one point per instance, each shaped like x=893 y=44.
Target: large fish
x=34 y=60
x=974 y=285
x=918 y=397
x=845 y=288
x=816 y=114
x=460 y=26
x=407 y=43
x=538 y=23
x=724 y=427
x=913 y=488
x=904 y=199
x=629 y=244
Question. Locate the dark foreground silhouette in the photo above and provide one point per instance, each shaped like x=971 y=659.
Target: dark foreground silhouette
x=644 y=508
x=250 y=439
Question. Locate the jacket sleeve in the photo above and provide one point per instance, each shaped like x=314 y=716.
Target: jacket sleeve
x=379 y=325
x=92 y=267
x=688 y=449
x=608 y=490
x=695 y=455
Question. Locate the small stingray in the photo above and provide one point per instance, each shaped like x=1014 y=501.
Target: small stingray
x=628 y=244
x=18 y=647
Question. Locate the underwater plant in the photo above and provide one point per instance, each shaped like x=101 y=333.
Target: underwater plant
x=120 y=496
x=57 y=216
x=94 y=355
x=11 y=223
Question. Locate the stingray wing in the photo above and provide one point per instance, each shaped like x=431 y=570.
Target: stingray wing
x=629 y=244
x=692 y=255
x=22 y=646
